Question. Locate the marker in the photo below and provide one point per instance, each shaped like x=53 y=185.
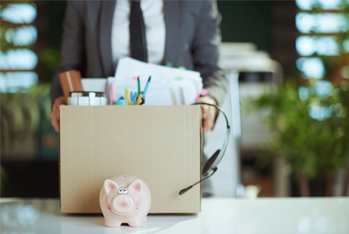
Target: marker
x=112 y=94
x=139 y=99
x=131 y=98
x=139 y=85
x=134 y=98
x=127 y=95
x=146 y=87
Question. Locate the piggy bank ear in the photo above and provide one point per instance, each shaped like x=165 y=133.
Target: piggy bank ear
x=109 y=185
x=136 y=186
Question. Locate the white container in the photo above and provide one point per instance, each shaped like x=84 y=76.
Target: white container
x=84 y=98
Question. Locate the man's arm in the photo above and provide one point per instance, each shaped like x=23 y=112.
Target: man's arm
x=73 y=45
x=205 y=51
x=205 y=56
x=72 y=55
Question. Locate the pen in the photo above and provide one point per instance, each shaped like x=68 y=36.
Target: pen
x=139 y=85
x=139 y=99
x=127 y=96
x=134 y=98
x=131 y=98
x=112 y=95
x=146 y=87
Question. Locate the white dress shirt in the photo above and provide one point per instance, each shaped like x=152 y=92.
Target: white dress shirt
x=154 y=21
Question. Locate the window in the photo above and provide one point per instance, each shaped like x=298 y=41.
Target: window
x=18 y=35
x=321 y=24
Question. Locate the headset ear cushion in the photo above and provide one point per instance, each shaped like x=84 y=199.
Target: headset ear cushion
x=209 y=163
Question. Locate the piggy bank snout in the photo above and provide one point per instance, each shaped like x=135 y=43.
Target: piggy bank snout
x=122 y=203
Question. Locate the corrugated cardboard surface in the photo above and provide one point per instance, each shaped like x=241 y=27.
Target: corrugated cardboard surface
x=159 y=144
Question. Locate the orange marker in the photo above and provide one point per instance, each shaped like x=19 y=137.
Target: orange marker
x=139 y=99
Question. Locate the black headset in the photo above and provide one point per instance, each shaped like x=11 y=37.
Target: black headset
x=210 y=166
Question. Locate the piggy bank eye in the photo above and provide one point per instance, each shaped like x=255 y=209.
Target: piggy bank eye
x=122 y=191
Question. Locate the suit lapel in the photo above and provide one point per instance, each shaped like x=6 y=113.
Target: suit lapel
x=105 y=25
x=172 y=22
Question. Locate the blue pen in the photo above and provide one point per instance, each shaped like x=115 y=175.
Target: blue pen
x=146 y=88
x=134 y=98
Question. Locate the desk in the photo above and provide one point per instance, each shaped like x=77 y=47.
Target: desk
x=218 y=216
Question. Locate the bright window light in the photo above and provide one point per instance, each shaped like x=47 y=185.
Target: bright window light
x=11 y=82
x=346 y=46
x=22 y=36
x=325 y=4
x=18 y=59
x=320 y=112
x=327 y=46
x=19 y=13
x=321 y=23
x=323 y=88
x=311 y=67
x=307 y=46
x=303 y=93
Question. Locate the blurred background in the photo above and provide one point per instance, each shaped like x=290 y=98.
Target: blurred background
x=288 y=67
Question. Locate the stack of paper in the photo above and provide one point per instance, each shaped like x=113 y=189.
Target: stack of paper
x=168 y=86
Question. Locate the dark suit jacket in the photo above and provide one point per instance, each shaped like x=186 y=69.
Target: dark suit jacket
x=192 y=38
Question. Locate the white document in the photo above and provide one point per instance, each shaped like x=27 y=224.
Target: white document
x=94 y=85
x=186 y=85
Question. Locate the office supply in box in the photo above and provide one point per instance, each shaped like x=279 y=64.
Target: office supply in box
x=84 y=98
x=160 y=144
x=168 y=85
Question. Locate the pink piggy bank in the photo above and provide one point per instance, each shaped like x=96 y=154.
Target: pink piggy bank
x=125 y=199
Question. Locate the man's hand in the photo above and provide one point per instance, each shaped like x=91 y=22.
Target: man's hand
x=208 y=113
x=55 y=112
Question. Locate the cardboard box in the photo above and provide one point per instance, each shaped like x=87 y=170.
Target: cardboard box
x=159 y=144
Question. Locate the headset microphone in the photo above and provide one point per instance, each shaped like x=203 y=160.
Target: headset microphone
x=186 y=189
x=210 y=166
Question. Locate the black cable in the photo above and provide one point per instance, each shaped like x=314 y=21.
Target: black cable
x=218 y=108
x=186 y=189
x=212 y=159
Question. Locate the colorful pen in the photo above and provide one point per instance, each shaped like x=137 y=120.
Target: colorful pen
x=139 y=85
x=134 y=98
x=139 y=99
x=146 y=87
x=127 y=95
x=112 y=95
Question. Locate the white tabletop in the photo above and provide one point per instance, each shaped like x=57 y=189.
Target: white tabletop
x=219 y=216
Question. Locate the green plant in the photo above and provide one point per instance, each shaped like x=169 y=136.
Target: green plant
x=22 y=112
x=310 y=126
x=310 y=119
